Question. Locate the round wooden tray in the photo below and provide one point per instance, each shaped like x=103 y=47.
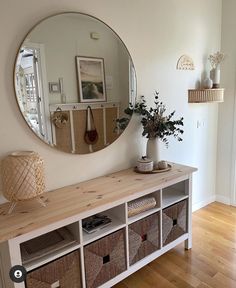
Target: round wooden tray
x=153 y=171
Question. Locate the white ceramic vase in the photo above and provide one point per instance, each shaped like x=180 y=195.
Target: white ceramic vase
x=207 y=83
x=215 y=77
x=153 y=150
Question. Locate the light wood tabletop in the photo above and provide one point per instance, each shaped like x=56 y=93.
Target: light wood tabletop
x=83 y=197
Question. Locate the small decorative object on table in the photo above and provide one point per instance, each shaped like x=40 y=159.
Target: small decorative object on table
x=145 y=164
x=162 y=165
x=215 y=60
x=95 y=223
x=156 y=126
x=155 y=170
x=23 y=177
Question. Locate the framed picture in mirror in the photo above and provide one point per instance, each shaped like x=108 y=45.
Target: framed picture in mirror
x=91 y=79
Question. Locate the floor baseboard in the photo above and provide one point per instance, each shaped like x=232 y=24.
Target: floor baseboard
x=218 y=198
x=204 y=203
x=223 y=199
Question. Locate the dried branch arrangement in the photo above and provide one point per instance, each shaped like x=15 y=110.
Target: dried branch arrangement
x=215 y=59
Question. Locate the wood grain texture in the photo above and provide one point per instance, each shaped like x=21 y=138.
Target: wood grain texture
x=211 y=263
x=85 y=198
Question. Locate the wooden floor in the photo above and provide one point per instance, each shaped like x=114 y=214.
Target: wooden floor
x=210 y=263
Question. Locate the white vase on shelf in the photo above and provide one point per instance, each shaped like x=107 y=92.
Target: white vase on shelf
x=215 y=77
x=207 y=83
x=153 y=150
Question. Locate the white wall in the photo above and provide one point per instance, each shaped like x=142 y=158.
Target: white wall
x=157 y=33
x=226 y=155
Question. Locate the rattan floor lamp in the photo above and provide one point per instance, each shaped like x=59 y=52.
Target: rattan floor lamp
x=23 y=178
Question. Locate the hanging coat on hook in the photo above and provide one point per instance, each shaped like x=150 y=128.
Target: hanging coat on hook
x=91 y=134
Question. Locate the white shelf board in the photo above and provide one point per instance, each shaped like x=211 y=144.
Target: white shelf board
x=143 y=215
x=171 y=196
x=50 y=257
x=115 y=225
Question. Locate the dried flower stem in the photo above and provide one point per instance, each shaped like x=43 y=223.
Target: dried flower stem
x=215 y=59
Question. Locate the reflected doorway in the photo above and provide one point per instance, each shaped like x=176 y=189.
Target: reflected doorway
x=32 y=90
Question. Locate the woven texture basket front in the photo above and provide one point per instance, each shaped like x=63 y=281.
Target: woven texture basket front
x=23 y=176
x=174 y=222
x=105 y=259
x=63 y=273
x=144 y=237
x=140 y=205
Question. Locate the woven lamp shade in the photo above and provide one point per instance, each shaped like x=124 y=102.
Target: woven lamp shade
x=23 y=176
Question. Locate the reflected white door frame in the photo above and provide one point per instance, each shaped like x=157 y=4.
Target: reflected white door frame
x=41 y=86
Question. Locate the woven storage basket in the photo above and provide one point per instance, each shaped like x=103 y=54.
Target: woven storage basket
x=105 y=259
x=174 y=222
x=22 y=176
x=140 y=205
x=63 y=273
x=144 y=237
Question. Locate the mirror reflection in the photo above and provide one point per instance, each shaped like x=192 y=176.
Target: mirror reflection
x=73 y=78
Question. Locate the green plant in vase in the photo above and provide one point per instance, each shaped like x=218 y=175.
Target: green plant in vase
x=156 y=125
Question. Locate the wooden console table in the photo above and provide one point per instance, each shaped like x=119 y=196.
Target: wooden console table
x=110 y=194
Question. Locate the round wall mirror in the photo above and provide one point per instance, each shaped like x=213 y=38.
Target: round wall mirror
x=73 y=79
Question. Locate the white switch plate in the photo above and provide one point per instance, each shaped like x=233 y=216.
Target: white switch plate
x=200 y=123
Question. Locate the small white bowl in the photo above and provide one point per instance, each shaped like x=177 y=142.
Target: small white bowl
x=162 y=164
